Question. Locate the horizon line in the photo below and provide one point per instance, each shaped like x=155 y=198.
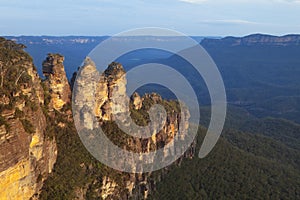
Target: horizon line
x=216 y=36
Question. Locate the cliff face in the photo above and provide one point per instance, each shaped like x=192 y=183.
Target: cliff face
x=34 y=114
x=255 y=39
x=27 y=155
x=56 y=79
x=104 y=96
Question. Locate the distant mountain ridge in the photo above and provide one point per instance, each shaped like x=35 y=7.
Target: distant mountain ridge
x=254 y=39
x=53 y=40
x=28 y=40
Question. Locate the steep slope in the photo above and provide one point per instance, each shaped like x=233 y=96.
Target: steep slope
x=27 y=154
x=77 y=174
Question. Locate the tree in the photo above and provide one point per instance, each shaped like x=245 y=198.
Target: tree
x=3 y=71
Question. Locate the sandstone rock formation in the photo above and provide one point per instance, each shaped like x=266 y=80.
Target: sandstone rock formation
x=101 y=99
x=27 y=155
x=136 y=101
x=53 y=70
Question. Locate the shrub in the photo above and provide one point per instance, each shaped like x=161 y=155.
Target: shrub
x=19 y=113
x=27 y=125
x=2 y=121
x=32 y=105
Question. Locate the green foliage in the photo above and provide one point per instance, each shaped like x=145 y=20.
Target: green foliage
x=14 y=64
x=116 y=135
x=39 y=178
x=67 y=174
x=229 y=172
x=27 y=125
x=141 y=116
x=2 y=106
x=66 y=107
x=75 y=167
x=260 y=145
x=33 y=106
x=19 y=113
x=25 y=78
x=47 y=96
x=282 y=130
x=147 y=103
x=2 y=121
x=262 y=163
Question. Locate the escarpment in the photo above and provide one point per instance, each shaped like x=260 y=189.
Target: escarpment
x=27 y=154
x=253 y=40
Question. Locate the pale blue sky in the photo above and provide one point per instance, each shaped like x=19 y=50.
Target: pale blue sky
x=108 y=17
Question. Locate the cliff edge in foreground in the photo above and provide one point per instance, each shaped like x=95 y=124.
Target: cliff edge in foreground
x=27 y=140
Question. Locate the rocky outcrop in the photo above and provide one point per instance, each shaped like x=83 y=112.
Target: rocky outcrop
x=27 y=155
x=136 y=101
x=108 y=187
x=100 y=95
x=56 y=79
x=101 y=99
x=87 y=83
x=253 y=40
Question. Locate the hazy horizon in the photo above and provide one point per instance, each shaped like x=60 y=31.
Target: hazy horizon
x=109 y=17
x=211 y=36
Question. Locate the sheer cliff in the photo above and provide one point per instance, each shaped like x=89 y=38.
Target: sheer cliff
x=27 y=141
x=27 y=154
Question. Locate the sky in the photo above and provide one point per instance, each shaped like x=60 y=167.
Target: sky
x=109 y=17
